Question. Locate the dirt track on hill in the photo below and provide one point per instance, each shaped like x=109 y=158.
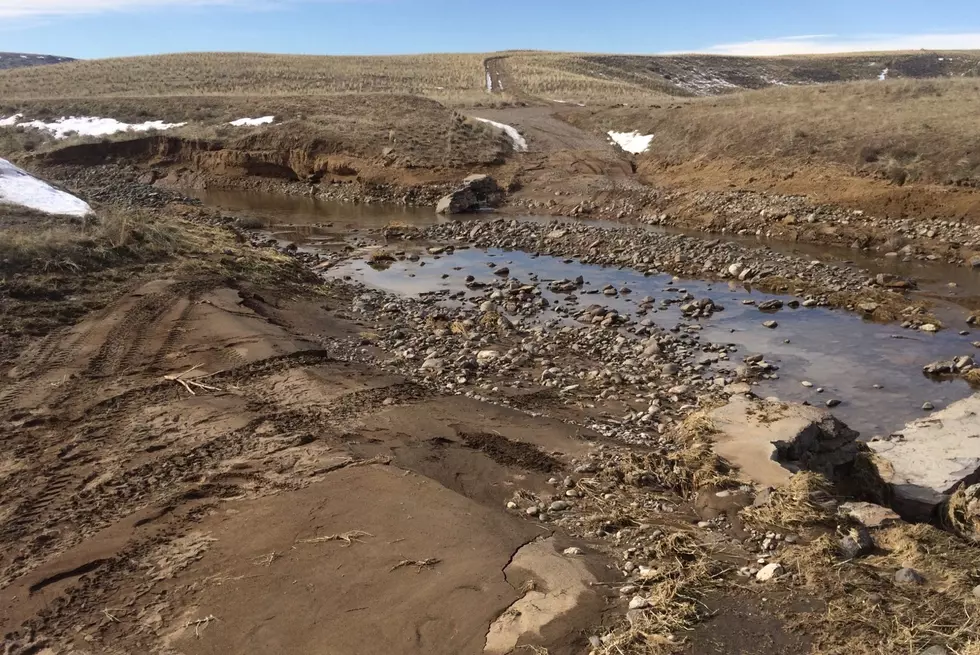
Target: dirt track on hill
x=299 y=501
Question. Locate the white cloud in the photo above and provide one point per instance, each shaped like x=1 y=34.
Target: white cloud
x=831 y=43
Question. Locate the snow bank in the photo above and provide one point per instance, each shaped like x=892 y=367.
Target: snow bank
x=12 y=120
x=251 y=122
x=18 y=187
x=520 y=143
x=94 y=126
x=883 y=75
x=633 y=142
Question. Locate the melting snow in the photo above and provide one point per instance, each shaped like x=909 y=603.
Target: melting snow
x=489 y=82
x=883 y=75
x=7 y=122
x=93 y=126
x=633 y=142
x=18 y=187
x=520 y=143
x=251 y=122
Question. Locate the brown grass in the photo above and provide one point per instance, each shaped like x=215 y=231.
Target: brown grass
x=32 y=243
x=439 y=76
x=868 y=614
x=903 y=131
x=806 y=500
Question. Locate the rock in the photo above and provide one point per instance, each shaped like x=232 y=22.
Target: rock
x=909 y=576
x=929 y=327
x=868 y=307
x=432 y=364
x=870 y=515
x=574 y=550
x=928 y=406
x=932 y=458
x=974 y=262
x=771 y=305
x=769 y=441
x=857 y=543
x=477 y=191
x=638 y=603
x=769 y=572
x=807 y=384
x=833 y=402
x=485 y=357
x=893 y=281
x=460 y=201
x=772 y=325
x=976 y=591
x=735 y=269
x=559 y=506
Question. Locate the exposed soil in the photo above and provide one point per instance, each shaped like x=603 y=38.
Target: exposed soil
x=134 y=510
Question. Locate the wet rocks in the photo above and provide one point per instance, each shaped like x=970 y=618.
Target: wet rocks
x=770 y=305
x=890 y=281
x=772 y=325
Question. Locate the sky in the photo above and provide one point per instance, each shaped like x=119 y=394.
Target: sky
x=109 y=28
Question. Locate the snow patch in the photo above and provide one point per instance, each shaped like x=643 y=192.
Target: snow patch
x=12 y=120
x=251 y=122
x=883 y=75
x=18 y=187
x=633 y=142
x=520 y=143
x=94 y=126
x=489 y=82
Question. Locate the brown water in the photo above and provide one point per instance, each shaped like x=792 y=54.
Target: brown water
x=836 y=350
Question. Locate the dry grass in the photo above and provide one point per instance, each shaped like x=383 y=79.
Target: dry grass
x=34 y=243
x=905 y=131
x=868 y=614
x=441 y=76
x=806 y=500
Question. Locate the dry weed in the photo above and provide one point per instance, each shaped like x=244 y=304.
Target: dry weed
x=806 y=500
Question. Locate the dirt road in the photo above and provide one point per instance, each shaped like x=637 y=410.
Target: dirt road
x=266 y=497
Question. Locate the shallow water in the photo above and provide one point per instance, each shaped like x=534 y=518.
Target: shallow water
x=836 y=350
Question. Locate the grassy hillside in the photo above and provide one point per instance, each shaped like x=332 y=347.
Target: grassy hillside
x=454 y=78
x=609 y=79
x=460 y=79
x=905 y=130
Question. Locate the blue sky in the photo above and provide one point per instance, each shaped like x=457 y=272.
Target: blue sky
x=104 y=28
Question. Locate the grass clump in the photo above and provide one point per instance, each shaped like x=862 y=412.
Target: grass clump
x=806 y=500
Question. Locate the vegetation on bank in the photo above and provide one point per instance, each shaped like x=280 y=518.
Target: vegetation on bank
x=904 y=130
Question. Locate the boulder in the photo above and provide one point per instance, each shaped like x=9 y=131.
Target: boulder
x=770 y=441
x=476 y=192
x=460 y=201
x=927 y=460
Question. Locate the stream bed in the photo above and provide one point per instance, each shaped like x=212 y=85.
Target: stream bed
x=874 y=369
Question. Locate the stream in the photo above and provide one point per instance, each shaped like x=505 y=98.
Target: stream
x=874 y=369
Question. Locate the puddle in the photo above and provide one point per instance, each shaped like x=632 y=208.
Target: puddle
x=835 y=350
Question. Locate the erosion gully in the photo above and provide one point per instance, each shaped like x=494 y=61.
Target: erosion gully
x=873 y=368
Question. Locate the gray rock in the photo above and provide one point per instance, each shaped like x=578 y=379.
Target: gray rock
x=909 y=576
x=770 y=305
x=976 y=591
x=869 y=514
x=857 y=543
x=772 y=325
x=934 y=456
x=833 y=402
